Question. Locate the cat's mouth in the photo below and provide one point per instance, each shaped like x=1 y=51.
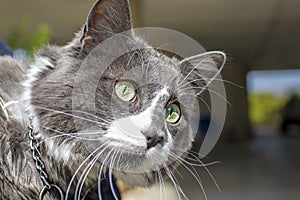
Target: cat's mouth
x=128 y=157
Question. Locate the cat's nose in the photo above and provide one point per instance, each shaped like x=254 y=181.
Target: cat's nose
x=152 y=139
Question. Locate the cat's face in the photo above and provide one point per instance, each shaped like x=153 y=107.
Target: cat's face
x=147 y=113
x=137 y=115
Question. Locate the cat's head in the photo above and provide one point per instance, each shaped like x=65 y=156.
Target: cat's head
x=134 y=112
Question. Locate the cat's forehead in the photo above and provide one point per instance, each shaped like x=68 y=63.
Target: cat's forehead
x=145 y=66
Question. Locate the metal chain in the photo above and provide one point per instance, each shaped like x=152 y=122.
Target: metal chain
x=40 y=166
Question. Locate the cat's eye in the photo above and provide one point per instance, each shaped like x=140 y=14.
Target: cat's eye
x=173 y=113
x=125 y=91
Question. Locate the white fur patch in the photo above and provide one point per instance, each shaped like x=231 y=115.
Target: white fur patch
x=60 y=152
x=129 y=129
x=40 y=64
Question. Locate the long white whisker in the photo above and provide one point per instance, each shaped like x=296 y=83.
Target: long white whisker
x=71 y=135
x=100 y=172
x=71 y=115
x=215 y=79
x=196 y=160
x=222 y=97
x=92 y=163
x=86 y=113
x=163 y=185
x=175 y=183
x=85 y=173
x=111 y=176
x=193 y=70
x=78 y=169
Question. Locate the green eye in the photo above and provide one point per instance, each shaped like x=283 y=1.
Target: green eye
x=173 y=113
x=125 y=91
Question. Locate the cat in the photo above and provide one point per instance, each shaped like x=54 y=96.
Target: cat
x=83 y=150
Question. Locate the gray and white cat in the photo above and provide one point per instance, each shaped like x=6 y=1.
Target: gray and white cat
x=79 y=146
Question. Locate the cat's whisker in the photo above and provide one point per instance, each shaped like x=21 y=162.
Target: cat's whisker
x=186 y=151
x=78 y=169
x=195 y=175
x=207 y=170
x=118 y=167
x=100 y=180
x=199 y=165
x=85 y=174
x=175 y=183
x=105 y=160
x=227 y=82
x=193 y=172
x=193 y=70
x=71 y=115
x=71 y=135
x=222 y=97
x=90 y=189
x=65 y=112
x=192 y=164
x=196 y=159
x=198 y=97
x=189 y=82
x=100 y=175
x=161 y=185
x=111 y=175
x=211 y=79
x=89 y=114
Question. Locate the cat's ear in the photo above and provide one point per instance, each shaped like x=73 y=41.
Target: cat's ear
x=106 y=18
x=202 y=69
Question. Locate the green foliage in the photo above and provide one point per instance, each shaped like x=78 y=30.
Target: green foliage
x=28 y=37
x=265 y=108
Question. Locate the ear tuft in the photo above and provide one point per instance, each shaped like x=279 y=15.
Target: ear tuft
x=202 y=69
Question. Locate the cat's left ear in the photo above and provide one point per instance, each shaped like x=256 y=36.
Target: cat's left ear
x=202 y=69
x=106 y=18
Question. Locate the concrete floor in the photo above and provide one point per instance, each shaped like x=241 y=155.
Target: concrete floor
x=265 y=168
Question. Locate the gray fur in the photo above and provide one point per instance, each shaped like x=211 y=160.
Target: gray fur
x=44 y=92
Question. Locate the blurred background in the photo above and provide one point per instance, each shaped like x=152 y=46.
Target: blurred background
x=260 y=145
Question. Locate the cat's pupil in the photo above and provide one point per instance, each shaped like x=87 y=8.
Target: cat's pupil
x=173 y=113
x=125 y=90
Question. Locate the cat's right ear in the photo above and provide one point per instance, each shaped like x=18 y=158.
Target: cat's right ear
x=202 y=69
x=106 y=18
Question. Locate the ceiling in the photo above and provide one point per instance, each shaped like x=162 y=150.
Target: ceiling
x=265 y=34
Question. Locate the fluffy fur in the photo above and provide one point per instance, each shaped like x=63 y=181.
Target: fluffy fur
x=79 y=145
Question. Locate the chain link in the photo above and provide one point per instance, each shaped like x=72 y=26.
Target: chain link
x=40 y=166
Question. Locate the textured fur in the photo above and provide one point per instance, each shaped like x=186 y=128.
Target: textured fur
x=44 y=92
